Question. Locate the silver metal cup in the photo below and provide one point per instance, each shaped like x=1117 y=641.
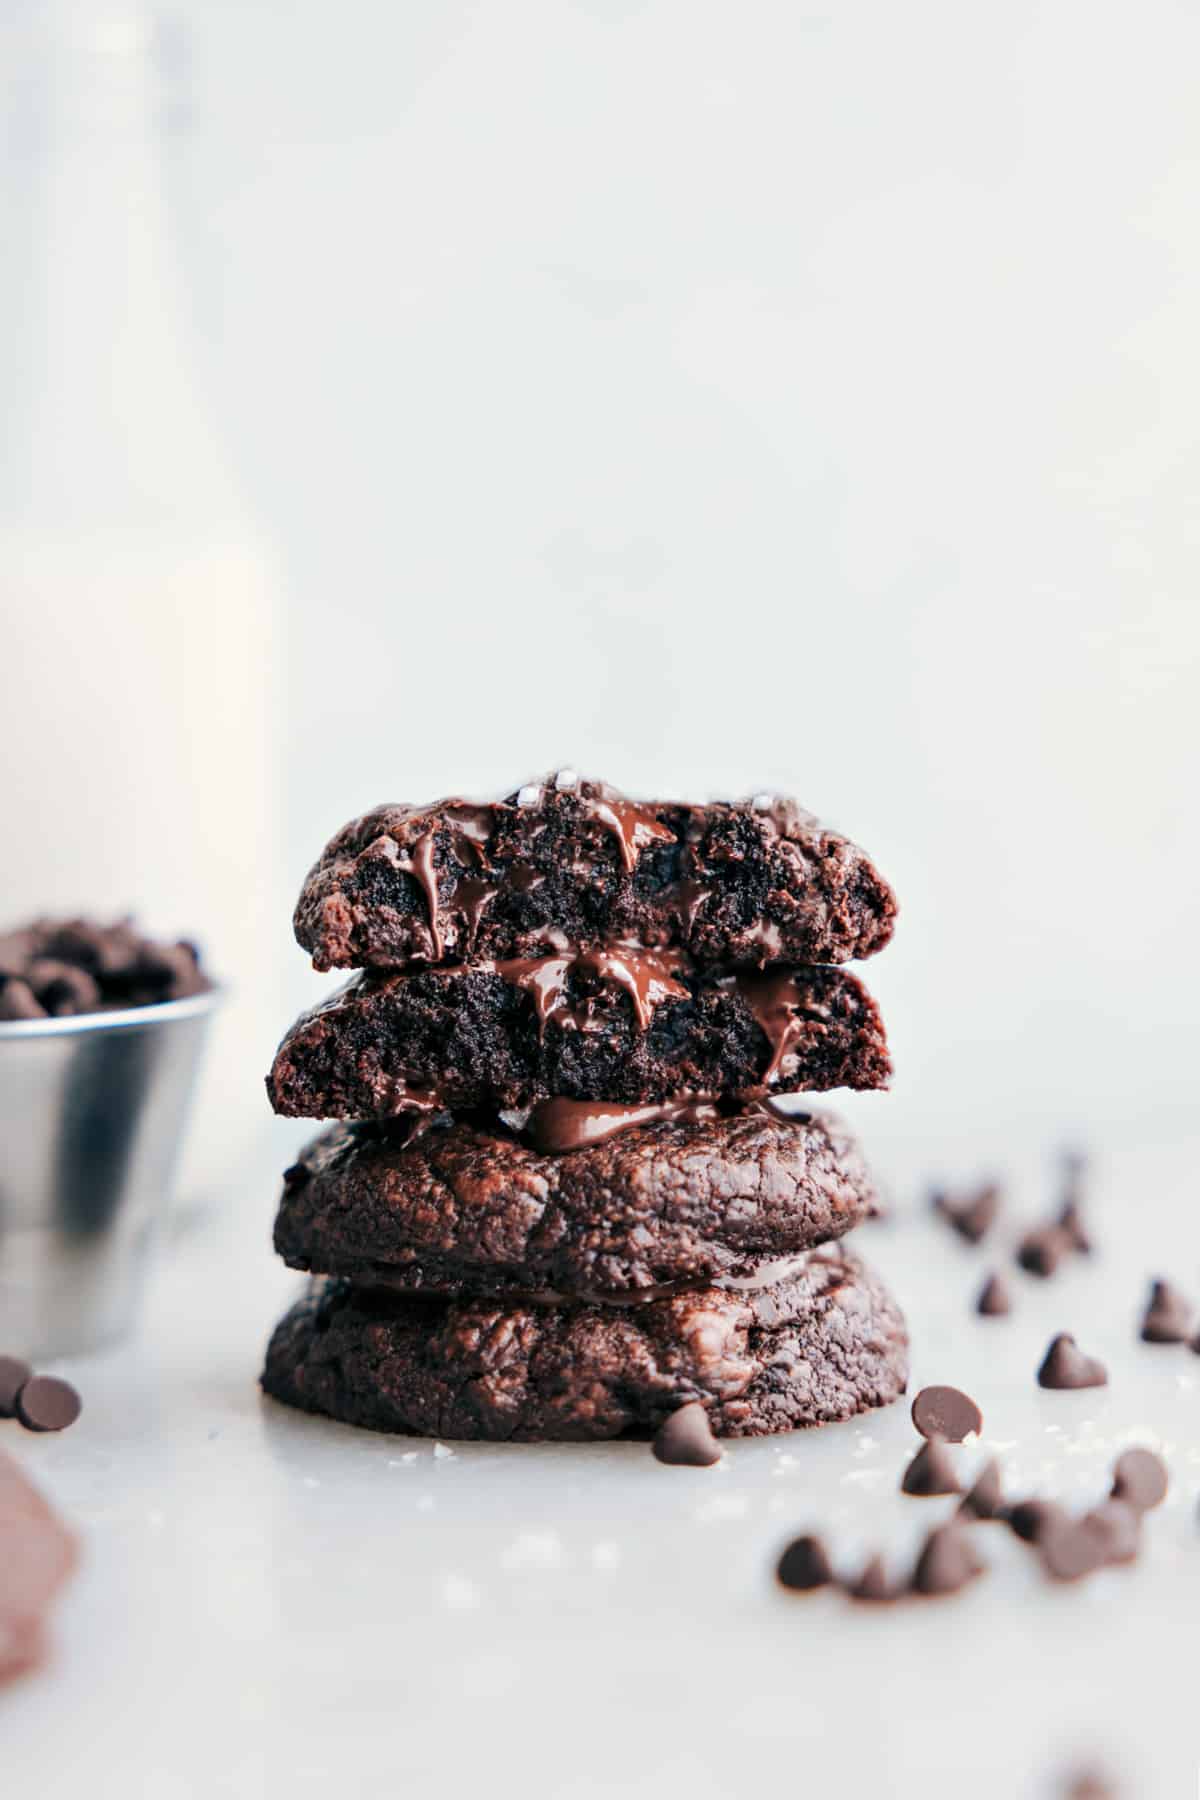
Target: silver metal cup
x=92 y=1111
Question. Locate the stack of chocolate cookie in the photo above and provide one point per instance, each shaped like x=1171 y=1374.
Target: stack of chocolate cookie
x=568 y=1197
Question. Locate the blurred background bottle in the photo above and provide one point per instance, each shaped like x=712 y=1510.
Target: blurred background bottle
x=140 y=606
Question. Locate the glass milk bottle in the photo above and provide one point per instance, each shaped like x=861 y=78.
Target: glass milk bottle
x=139 y=609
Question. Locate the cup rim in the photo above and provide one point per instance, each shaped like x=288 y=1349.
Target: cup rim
x=125 y=1018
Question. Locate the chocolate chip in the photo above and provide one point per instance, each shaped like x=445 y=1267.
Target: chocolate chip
x=1071 y=1549
x=1031 y=1519
x=804 y=1566
x=47 y=1404
x=945 y=1412
x=1065 y=1366
x=169 y=972
x=18 y=1000
x=1140 y=1479
x=1041 y=1251
x=61 y=988
x=13 y=1375
x=86 y=944
x=947 y=1562
x=1168 y=1318
x=994 y=1298
x=685 y=1437
x=985 y=1500
x=16 y=948
x=972 y=1217
x=872 y=1584
x=1118 y=1527
x=931 y=1471
x=1070 y=1223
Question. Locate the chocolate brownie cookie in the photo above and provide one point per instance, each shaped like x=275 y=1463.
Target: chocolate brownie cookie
x=619 y=1024
x=568 y=861
x=53 y=968
x=822 y=1343
x=461 y=1207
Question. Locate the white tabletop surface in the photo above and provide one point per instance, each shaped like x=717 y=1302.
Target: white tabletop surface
x=273 y=1605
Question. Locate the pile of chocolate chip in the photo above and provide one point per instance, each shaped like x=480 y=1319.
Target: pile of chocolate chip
x=54 y=968
x=570 y=1193
x=1069 y=1547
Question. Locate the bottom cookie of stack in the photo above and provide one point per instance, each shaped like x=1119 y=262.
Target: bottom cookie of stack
x=820 y=1341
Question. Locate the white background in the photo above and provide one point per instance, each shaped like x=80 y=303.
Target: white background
x=722 y=396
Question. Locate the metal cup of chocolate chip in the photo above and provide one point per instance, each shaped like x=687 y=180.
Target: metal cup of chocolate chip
x=101 y=1037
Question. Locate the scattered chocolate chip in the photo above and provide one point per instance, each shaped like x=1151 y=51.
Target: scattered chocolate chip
x=1040 y=1251
x=931 y=1471
x=13 y=1375
x=1118 y=1526
x=947 y=1562
x=994 y=1300
x=1065 y=1366
x=47 y=1404
x=685 y=1437
x=872 y=1584
x=1071 y=1549
x=1168 y=1318
x=1031 y=1519
x=804 y=1566
x=985 y=1500
x=1140 y=1479
x=973 y=1216
x=1070 y=1223
x=945 y=1412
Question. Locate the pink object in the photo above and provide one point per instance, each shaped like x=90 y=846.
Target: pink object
x=37 y=1554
